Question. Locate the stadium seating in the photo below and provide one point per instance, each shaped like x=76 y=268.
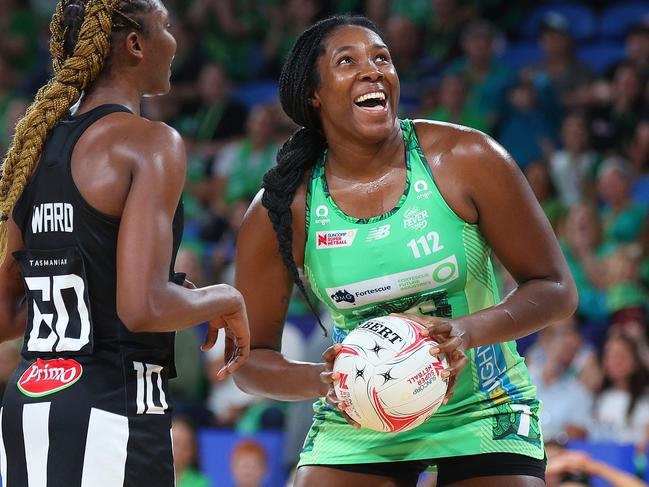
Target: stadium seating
x=601 y=55
x=255 y=93
x=581 y=20
x=520 y=54
x=640 y=190
x=615 y=454
x=614 y=21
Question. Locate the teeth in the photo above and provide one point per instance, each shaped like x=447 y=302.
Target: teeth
x=377 y=95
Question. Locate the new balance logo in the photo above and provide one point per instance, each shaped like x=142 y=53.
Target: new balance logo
x=378 y=233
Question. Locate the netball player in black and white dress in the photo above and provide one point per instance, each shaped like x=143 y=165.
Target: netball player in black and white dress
x=90 y=222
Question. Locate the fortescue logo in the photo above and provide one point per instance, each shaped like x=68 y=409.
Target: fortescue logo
x=343 y=295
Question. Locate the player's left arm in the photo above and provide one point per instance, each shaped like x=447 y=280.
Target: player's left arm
x=12 y=290
x=520 y=235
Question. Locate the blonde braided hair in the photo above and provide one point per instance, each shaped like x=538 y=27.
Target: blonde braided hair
x=73 y=73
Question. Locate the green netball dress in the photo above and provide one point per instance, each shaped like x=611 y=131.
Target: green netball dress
x=418 y=257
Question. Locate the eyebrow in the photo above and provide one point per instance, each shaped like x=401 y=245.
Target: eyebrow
x=349 y=48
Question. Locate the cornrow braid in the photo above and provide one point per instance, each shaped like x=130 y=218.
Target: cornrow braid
x=58 y=34
x=68 y=18
x=73 y=72
x=298 y=80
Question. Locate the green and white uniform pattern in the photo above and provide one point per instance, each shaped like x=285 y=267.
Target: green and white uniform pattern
x=419 y=257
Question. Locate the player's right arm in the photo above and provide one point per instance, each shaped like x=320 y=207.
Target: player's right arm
x=12 y=290
x=266 y=285
x=146 y=300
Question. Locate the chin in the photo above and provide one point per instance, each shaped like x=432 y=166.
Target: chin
x=164 y=90
x=377 y=133
x=375 y=130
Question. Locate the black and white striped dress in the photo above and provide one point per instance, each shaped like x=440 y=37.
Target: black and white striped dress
x=88 y=405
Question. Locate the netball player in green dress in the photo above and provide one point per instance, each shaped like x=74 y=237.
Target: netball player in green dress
x=398 y=216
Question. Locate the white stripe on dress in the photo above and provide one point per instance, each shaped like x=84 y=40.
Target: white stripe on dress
x=36 y=432
x=171 y=437
x=3 y=455
x=104 y=462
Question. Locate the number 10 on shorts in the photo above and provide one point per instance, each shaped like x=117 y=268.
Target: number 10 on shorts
x=146 y=403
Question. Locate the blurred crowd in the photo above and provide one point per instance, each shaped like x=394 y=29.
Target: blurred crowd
x=569 y=100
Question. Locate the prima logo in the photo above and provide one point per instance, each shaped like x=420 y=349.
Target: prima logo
x=415 y=219
x=342 y=295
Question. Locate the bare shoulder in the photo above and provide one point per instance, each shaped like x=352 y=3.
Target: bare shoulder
x=452 y=147
x=467 y=165
x=256 y=219
x=146 y=144
x=256 y=238
x=258 y=213
x=138 y=133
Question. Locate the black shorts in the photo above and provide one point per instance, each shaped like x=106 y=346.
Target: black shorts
x=454 y=469
x=99 y=431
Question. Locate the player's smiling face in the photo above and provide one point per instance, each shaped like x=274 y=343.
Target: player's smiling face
x=358 y=92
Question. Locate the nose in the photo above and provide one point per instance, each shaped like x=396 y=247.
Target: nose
x=370 y=72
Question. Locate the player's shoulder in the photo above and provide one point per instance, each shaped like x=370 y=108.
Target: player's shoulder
x=460 y=146
x=444 y=137
x=259 y=207
x=145 y=143
x=139 y=131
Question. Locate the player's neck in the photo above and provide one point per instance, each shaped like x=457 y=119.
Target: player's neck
x=348 y=159
x=111 y=91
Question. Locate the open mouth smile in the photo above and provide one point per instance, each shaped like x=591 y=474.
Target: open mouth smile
x=374 y=101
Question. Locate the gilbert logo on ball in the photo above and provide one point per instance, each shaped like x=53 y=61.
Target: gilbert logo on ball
x=388 y=376
x=45 y=377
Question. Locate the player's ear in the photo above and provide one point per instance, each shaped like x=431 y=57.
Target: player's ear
x=133 y=45
x=314 y=101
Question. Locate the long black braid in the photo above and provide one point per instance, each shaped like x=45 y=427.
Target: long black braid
x=297 y=82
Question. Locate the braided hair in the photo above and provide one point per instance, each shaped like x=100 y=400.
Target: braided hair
x=82 y=32
x=298 y=80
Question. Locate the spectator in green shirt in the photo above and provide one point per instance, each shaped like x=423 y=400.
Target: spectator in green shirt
x=623 y=220
x=488 y=78
x=453 y=105
x=580 y=236
x=538 y=175
x=238 y=168
x=18 y=33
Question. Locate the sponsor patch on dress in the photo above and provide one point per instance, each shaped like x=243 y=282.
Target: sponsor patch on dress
x=45 y=377
x=335 y=238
